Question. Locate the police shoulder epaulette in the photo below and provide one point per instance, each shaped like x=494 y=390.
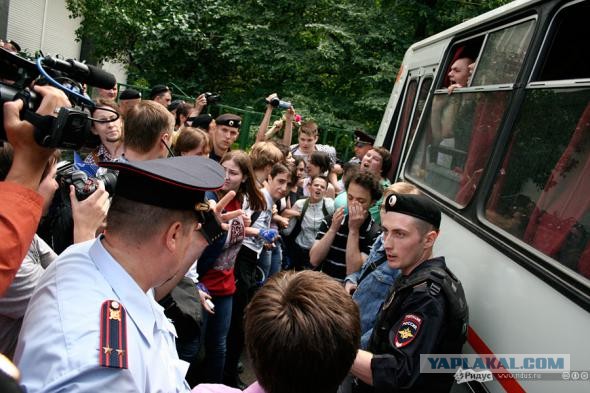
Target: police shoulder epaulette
x=113 y=335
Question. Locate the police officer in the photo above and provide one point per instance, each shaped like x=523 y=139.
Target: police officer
x=92 y=324
x=425 y=312
x=363 y=142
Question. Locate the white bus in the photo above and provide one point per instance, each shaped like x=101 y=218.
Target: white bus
x=507 y=157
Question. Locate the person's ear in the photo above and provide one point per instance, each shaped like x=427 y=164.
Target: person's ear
x=430 y=238
x=172 y=236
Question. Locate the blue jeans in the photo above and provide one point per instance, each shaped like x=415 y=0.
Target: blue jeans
x=215 y=328
x=271 y=260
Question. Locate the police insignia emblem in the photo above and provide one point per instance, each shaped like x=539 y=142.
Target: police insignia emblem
x=113 y=335
x=407 y=331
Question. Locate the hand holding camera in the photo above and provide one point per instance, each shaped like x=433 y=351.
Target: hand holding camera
x=30 y=159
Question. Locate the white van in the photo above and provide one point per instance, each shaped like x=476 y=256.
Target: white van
x=507 y=157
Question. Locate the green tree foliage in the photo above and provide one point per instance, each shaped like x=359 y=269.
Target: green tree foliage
x=336 y=60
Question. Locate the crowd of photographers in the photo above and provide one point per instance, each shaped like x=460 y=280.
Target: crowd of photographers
x=278 y=206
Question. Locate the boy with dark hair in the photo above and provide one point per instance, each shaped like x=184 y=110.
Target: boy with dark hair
x=345 y=240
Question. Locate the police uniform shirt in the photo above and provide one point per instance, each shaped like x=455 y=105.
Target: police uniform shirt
x=60 y=341
x=409 y=324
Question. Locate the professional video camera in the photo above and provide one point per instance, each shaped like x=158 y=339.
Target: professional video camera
x=71 y=128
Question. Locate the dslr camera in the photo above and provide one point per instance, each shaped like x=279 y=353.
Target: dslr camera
x=83 y=184
x=71 y=128
x=212 y=98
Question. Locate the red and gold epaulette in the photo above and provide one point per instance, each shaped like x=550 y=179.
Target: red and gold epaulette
x=113 y=335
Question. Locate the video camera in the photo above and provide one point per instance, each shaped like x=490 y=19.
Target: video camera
x=71 y=128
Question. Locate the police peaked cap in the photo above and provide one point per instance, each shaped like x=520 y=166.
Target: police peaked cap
x=418 y=206
x=229 y=119
x=363 y=137
x=177 y=183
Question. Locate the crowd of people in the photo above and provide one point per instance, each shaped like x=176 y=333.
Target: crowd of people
x=322 y=271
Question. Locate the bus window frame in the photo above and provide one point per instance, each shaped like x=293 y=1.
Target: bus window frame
x=407 y=145
x=532 y=81
x=513 y=87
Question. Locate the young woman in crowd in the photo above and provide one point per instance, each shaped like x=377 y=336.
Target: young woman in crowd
x=246 y=262
x=319 y=164
x=191 y=142
x=216 y=265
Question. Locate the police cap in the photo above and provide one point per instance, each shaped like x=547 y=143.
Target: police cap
x=362 y=137
x=229 y=119
x=177 y=183
x=418 y=206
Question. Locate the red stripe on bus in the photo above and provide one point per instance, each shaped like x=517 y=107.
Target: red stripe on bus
x=508 y=383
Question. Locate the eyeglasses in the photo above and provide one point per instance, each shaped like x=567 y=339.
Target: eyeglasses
x=168 y=148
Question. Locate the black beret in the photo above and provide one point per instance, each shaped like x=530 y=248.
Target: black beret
x=201 y=121
x=129 y=94
x=177 y=183
x=229 y=119
x=157 y=90
x=362 y=137
x=417 y=206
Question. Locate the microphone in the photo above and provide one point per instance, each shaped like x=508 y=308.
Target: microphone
x=81 y=72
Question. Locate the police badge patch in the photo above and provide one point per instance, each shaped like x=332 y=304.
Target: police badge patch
x=407 y=331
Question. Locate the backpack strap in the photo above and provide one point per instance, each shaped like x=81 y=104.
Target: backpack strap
x=297 y=229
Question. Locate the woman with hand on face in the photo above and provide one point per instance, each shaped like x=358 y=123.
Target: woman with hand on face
x=216 y=264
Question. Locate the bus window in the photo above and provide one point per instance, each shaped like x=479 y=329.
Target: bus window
x=540 y=194
x=566 y=58
x=461 y=129
x=503 y=55
x=457 y=138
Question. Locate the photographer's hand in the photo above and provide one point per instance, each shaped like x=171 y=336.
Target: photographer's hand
x=30 y=159
x=200 y=104
x=89 y=214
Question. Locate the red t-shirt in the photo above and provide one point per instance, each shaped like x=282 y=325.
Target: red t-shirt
x=220 y=280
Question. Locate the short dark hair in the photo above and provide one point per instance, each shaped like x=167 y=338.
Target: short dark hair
x=322 y=160
x=368 y=181
x=279 y=168
x=144 y=125
x=302 y=332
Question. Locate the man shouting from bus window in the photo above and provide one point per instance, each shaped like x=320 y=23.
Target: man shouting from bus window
x=425 y=312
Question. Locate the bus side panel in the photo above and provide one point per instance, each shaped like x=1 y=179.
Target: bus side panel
x=513 y=311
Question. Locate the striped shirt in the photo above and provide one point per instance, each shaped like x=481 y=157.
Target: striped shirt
x=335 y=263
